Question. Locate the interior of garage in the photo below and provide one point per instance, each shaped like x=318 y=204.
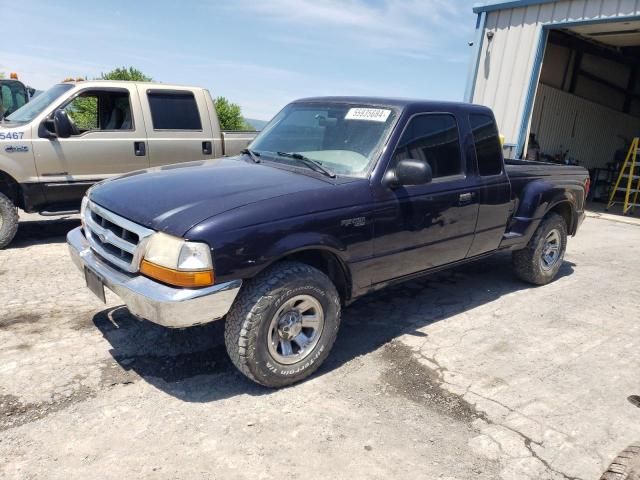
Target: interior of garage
x=587 y=106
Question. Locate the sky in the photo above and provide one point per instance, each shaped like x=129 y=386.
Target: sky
x=260 y=54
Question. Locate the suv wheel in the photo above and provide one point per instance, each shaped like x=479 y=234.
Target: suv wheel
x=540 y=261
x=8 y=221
x=283 y=324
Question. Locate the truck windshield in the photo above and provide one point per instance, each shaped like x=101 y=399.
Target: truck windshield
x=344 y=138
x=32 y=109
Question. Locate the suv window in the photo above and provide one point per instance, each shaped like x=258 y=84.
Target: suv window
x=174 y=111
x=432 y=138
x=487 y=143
x=96 y=110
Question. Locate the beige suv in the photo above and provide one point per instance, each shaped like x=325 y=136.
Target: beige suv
x=75 y=134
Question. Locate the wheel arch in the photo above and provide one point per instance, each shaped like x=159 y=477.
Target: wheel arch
x=325 y=259
x=566 y=210
x=10 y=188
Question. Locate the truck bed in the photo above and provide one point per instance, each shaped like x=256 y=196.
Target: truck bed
x=234 y=142
x=527 y=168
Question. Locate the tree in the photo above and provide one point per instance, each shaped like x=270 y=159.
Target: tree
x=130 y=74
x=230 y=115
x=1 y=75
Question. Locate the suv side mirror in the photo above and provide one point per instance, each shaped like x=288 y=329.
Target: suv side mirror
x=410 y=172
x=62 y=124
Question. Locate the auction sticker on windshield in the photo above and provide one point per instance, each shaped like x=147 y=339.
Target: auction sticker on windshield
x=369 y=114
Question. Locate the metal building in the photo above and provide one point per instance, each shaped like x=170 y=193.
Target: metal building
x=567 y=71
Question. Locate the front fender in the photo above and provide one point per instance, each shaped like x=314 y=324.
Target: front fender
x=16 y=154
x=300 y=241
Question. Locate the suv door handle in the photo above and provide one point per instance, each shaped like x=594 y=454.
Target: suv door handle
x=140 y=149
x=207 y=148
x=466 y=198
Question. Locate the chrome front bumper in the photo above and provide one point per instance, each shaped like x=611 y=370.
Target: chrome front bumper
x=156 y=302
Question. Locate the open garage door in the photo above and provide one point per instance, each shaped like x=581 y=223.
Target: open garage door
x=587 y=105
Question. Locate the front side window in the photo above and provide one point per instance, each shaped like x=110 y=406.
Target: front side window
x=100 y=110
x=174 y=110
x=487 y=143
x=345 y=138
x=36 y=106
x=434 y=139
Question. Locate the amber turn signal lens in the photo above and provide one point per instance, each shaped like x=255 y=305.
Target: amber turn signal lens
x=176 y=277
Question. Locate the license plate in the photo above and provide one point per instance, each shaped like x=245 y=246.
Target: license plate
x=94 y=283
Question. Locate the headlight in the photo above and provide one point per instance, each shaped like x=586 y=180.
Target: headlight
x=83 y=209
x=177 y=262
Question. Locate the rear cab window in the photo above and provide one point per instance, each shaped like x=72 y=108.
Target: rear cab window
x=432 y=138
x=174 y=110
x=13 y=96
x=487 y=144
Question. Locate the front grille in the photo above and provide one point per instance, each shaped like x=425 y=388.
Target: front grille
x=114 y=238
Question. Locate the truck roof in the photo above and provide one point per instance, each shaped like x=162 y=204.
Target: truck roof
x=117 y=83
x=399 y=103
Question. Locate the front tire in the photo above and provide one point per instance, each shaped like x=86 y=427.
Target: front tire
x=540 y=261
x=8 y=221
x=283 y=324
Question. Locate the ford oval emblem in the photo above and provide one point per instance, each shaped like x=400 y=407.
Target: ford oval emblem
x=102 y=237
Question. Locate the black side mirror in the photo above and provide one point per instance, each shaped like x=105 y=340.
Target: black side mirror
x=410 y=172
x=62 y=124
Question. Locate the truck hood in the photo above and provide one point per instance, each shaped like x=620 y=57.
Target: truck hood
x=177 y=197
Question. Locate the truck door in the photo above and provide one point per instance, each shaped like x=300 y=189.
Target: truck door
x=179 y=125
x=495 y=188
x=108 y=138
x=425 y=226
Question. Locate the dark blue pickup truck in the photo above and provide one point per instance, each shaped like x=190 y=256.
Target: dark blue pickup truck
x=336 y=198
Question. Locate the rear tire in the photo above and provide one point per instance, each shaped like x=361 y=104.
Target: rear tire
x=540 y=261
x=626 y=466
x=283 y=324
x=8 y=221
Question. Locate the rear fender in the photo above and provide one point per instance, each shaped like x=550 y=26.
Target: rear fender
x=537 y=199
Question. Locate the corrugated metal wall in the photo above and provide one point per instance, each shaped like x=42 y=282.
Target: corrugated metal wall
x=589 y=131
x=507 y=61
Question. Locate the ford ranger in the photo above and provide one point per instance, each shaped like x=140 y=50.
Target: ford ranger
x=76 y=133
x=335 y=198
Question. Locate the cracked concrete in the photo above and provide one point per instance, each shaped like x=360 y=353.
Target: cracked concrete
x=465 y=374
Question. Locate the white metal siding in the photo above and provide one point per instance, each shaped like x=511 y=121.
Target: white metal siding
x=590 y=132
x=506 y=63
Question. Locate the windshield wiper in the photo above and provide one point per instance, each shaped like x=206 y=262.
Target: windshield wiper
x=254 y=155
x=312 y=164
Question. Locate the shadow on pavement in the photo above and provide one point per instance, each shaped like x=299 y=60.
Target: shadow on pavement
x=36 y=232
x=192 y=364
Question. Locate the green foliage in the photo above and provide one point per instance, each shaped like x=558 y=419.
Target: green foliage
x=1 y=75
x=230 y=115
x=130 y=74
x=84 y=112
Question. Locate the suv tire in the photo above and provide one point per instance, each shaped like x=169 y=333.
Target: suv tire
x=8 y=221
x=283 y=324
x=540 y=261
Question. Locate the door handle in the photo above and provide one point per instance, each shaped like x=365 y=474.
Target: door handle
x=140 y=149
x=207 y=148
x=466 y=198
